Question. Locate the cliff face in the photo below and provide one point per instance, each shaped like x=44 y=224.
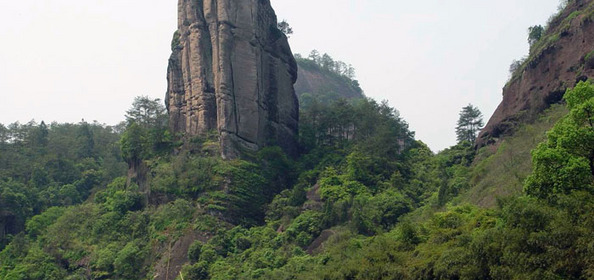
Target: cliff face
x=557 y=62
x=233 y=71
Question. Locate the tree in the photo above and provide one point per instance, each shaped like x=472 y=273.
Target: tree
x=38 y=135
x=86 y=140
x=327 y=62
x=315 y=56
x=350 y=72
x=516 y=64
x=146 y=130
x=146 y=112
x=284 y=27
x=16 y=204
x=565 y=162
x=133 y=144
x=535 y=33
x=469 y=124
x=4 y=134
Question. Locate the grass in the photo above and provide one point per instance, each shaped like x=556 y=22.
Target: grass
x=500 y=171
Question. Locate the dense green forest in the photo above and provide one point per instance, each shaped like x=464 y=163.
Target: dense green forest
x=364 y=201
x=59 y=165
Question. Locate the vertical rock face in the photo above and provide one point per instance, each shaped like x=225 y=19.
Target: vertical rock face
x=233 y=71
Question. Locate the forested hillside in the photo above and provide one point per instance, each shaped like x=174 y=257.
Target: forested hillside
x=57 y=165
x=127 y=231
x=345 y=201
x=325 y=78
x=363 y=200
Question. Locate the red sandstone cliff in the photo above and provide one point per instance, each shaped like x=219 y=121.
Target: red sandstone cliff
x=562 y=57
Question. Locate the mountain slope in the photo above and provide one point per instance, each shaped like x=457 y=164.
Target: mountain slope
x=314 y=80
x=501 y=170
x=561 y=58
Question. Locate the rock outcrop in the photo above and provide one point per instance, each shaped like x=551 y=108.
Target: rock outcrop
x=232 y=71
x=564 y=56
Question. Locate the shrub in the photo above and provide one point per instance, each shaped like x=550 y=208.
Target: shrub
x=129 y=260
x=175 y=214
x=194 y=251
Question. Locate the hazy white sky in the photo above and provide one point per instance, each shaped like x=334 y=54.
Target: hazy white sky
x=65 y=60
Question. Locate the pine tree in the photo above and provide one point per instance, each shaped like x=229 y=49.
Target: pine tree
x=284 y=27
x=147 y=113
x=469 y=124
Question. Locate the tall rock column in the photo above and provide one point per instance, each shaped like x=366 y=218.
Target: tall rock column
x=232 y=70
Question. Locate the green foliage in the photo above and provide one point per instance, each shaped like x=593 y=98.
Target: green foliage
x=146 y=134
x=516 y=65
x=589 y=60
x=36 y=265
x=535 y=33
x=469 y=124
x=453 y=175
x=133 y=143
x=376 y=129
x=37 y=225
x=103 y=264
x=128 y=261
x=463 y=242
x=501 y=171
x=245 y=199
x=196 y=271
x=52 y=165
x=118 y=197
x=339 y=80
x=174 y=215
x=194 y=251
x=277 y=170
x=175 y=41
x=196 y=175
x=565 y=162
x=16 y=204
x=328 y=63
x=335 y=187
x=341 y=211
x=147 y=113
x=285 y=28
x=85 y=135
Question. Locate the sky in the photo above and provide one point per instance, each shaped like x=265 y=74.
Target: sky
x=69 y=60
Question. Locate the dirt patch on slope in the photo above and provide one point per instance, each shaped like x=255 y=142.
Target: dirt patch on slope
x=318 y=244
x=175 y=255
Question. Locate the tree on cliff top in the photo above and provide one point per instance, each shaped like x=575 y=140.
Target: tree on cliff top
x=284 y=27
x=147 y=112
x=146 y=131
x=535 y=33
x=469 y=124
